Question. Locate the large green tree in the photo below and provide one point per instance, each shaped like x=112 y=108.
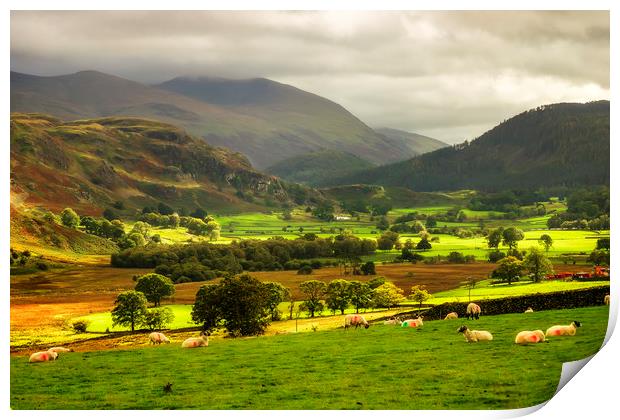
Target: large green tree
x=511 y=236
x=494 y=237
x=313 y=291
x=129 y=309
x=155 y=287
x=509 y=269
x=420 y=295
x=387 y=295
x=546 y=241
x=361 y=295
x=338 y=295
x=276 y=295
x=537 y=264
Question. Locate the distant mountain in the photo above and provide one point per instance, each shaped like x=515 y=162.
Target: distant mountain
x=560 y=144
x=410 y=143
x=312 y=168
x=90 y=164
x=265 y=120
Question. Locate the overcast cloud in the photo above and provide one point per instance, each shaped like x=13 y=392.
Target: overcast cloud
x=449 y=75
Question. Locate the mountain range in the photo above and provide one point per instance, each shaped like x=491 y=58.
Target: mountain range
x=564 y=144
x=267 y=121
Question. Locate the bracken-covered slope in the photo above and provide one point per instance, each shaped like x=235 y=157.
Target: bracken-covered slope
x=90 y=164
x=265 y=120
x=563 y=144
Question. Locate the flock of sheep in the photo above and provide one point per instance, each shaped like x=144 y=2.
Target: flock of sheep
x=355 y=320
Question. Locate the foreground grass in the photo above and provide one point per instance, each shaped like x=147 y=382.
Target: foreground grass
x=384 y=367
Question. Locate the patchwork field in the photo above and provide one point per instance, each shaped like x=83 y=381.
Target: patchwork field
x=397 y=368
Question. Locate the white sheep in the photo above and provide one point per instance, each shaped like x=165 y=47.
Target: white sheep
x=202 y=341
x=473 y=336
x=158 y=338
x=473 y=311
x=564 y=329
x=43 y=356
x=525 y=337
x=355 y=320
x=528 y=310
x=606 y=300
x=60 y=350
x=413 y=323
x=452 y=315
x=393 y=321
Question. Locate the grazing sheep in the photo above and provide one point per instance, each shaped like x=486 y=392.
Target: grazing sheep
x=158 y=338
x=528 y=310
x=525 y=337
x=60 y=350
x=413 y=323
x=606 y=299
x=473 y=336
x=202 y=341
x=473 y=311
x=564 y=329
x=355 y=320
x=393 y=321
x=43 y=356
x=452 y=315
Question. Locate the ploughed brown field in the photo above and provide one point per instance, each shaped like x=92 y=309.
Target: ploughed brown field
x=49 y=299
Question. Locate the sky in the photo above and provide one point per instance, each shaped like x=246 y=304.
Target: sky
x=448 y=75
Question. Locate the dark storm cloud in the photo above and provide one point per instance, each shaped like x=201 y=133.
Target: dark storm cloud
x=451 y=75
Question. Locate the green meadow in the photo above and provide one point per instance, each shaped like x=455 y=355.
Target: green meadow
x=383 y=367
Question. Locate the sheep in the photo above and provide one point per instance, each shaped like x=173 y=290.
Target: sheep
x=452 y=315
x=525 y=337
x=158 y=338
x=606 y=300
x=528 y=310
x=413 y=323
x=60 y=350
x=202 y=341
x=393 y=321
x=473 y=311
x=473 y=336
x=564 y=329
x=355 y=320
x=43 y=356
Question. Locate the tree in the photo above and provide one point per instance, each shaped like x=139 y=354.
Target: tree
x=199 y=213
x=244 y=305
x=376 y=282
x=361 y=295
x=511 y=236
x=495 y=237
x=129 y=309
x=546 y=241
x=206 y=309
x=387 y=295
x=158 y=318
x=276 y=295
x=420 y=295
x=383 y=223
x=69 y=218
x=155 y=287
x=599 y=257
x=509 y=269
x=603 y=243
x=313 y=291
x=387 y=240
x=471 y=284
x=338 y=295
x=537 y=265
x=142 y=228
x=368 y=268
x=213 y=230
x=431 y=222
x=424 y=244
x=164 y=208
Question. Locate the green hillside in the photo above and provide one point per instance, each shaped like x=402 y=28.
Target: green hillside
x=313 y=168
x=563 y=144
x=410 y=143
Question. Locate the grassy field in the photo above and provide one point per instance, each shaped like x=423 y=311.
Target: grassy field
x=384 y=367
